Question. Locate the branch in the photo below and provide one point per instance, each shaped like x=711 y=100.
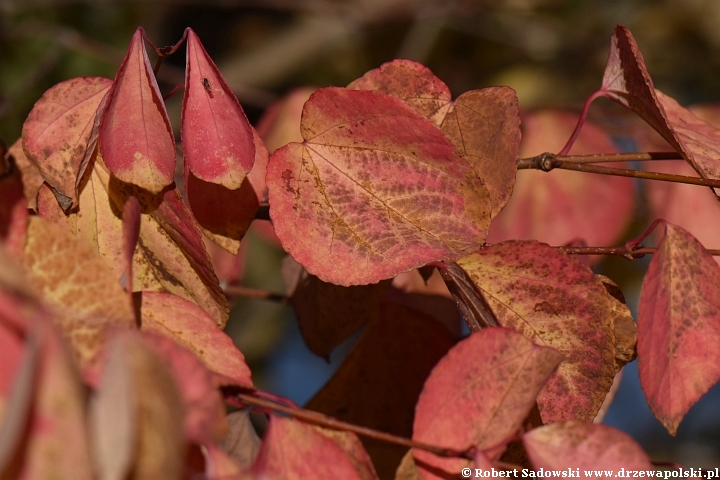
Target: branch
x=625 y=251
x=317 y=418
x=608 y=157
x=549 y=161
x=239 y=291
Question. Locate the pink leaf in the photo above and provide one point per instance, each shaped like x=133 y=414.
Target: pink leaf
x=136 y=138
x=216 y=135
x=354 y=204
x=679 y=326
x=56 y=133
x=479 y=394
x=577 y=445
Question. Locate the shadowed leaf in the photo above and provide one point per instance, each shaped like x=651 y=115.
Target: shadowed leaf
x=13 y=212
x=573 y=444
x=355 y=205
x=679 y=326
x=31 y=178
x=57 y=131
x=394 y=356
x=242 y=442
x=479 y=394
x=557 y=302
x=136 y=138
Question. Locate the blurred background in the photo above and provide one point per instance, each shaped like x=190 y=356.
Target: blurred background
x=551 y=52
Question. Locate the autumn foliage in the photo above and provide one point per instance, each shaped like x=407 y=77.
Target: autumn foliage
x=400 y=212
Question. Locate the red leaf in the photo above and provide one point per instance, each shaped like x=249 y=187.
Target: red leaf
x=627 y=81
x=563 y=206
x=394 y=356
x=13 y=212
x=191 y=327
x=136 y=138
x=479 y=394
x=280 y=124
x=216 y=135
x=555 y=301
x=209 y=202
x=56 y=133
x=292 y=450
x=355 y=204
x=571 y=445
x=679 y=326
x=31 y=178
x=483 y=125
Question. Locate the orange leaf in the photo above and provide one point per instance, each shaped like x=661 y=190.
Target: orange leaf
x=564 y=206
x=555 y=301
x=572 y=445
x=479 y=394
x=292 y=450
x=354 y=204
x=170 y=255
x=136 y=138
x=56 y=133
x=191 y=327
x=679 y=326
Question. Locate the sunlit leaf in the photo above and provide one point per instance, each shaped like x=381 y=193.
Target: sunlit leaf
x=573 y=444
x=479 y=394
x=191 y=327
x=355 y=205
x=293 y=450
x=136 y=138
x=561 y=206
x=57 y=131
x=557 y=302
x=679 y=326
x=483 y=125
x=170 y=255
x=328 y=314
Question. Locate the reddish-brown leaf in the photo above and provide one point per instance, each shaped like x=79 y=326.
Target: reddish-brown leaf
x=679 y=326
x=351 y=444
x=170 y=255
x=479 y=394
x=216 y=135
x=78 y=284
x=627 y=81
x=191 y=327
x=137 y=414
x=355 y=204
x=136 y=138
x=328 y=314
x=555 y=301
x=31 y=178
x=411 y=82
x=292 y=450
x=483 y=125
x=563 y=206
x=225 y=215
x=280 y=124
x=13 y=212
x=57 y=131
x=394 y=356
x=571 y=445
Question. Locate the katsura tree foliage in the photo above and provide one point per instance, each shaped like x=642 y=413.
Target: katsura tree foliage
x=400 y=210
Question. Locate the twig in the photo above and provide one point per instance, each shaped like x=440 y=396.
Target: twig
x=623 y=251
x=239 y=291
x=317 y=418
x=549 y=161
x=609 y=157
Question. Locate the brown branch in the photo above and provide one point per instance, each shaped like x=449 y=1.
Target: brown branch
x=624 y=251
x=608 y=157
x=319 y=419
x=240 y=291
x=549 y=161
